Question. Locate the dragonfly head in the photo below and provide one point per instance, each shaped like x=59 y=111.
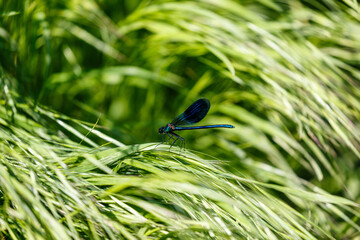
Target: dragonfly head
x=162 y=130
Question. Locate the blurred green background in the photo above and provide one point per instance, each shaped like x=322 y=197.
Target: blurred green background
x=284 y=73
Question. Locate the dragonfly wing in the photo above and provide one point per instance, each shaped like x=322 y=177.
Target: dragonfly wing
x=195 y=113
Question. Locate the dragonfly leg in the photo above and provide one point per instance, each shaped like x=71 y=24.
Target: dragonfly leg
x=170 y=136
x=172 y=144
x=181 y=139
x=163 y=140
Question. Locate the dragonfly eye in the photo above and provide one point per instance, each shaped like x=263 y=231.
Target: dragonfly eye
x=161 y=130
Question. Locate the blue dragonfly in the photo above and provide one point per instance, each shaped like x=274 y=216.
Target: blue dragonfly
x=193 y=114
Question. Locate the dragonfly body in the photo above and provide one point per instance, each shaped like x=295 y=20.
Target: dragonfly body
x=193 y=114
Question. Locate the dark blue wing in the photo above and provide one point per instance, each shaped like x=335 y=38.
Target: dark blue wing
x=195 y=113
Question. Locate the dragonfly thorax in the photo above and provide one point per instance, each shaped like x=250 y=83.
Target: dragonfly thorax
x=167 y=128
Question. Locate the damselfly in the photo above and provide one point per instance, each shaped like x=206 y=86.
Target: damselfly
x=195 y=113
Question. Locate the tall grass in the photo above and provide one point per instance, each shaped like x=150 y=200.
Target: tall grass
x=284 y=73
x=55 y=188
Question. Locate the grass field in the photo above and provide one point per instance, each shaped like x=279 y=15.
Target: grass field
x=85 y=85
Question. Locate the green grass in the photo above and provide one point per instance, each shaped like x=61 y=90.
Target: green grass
x=56 y=188
x=85 y=85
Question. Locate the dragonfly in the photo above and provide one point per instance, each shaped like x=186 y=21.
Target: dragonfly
x=193 y=114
